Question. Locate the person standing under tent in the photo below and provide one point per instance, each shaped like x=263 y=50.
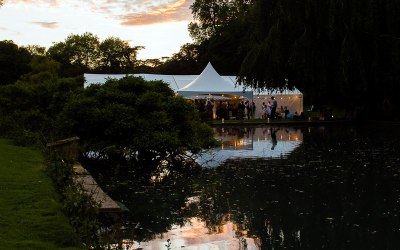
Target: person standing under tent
x=274 y=104
x=241 y=109
x=248 y=109
x=209 y=108
x=286 y=111
x=263 y=108
x=268 y=109
x=253 y=109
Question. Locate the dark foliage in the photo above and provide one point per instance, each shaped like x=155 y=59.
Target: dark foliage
x=124 y=117
x=14 y=62
x=344 y=53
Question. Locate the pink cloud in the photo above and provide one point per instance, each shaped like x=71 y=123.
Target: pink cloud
x=172 y=12
x=131 y=12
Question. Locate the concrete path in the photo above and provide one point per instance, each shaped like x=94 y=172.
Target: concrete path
x=91 y=187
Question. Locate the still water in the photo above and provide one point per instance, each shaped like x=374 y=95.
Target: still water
x=332 y=187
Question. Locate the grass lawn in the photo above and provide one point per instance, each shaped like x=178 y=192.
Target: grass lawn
x=30 y=215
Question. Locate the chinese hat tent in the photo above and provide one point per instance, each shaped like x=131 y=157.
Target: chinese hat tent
x=209 y=82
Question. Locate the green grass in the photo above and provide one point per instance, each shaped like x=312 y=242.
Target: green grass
x=30 y=214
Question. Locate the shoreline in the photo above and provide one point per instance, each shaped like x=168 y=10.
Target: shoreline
x=264 y=122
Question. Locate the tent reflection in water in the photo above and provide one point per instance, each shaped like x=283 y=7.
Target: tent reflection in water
x=251 y=143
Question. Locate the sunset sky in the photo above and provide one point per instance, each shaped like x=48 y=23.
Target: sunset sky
x=159 y=25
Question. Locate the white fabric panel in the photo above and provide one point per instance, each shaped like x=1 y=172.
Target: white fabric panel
x=183 y=80
x=99 y=78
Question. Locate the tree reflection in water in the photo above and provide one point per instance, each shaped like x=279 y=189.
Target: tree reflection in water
x=337 y=190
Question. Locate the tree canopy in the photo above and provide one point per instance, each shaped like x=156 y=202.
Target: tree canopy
x=337 y=52
x=84 y=53
x=14 y=62
x=123 y=117
x=120 y=119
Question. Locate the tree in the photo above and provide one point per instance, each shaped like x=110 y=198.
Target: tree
x=211 y=16
x=126 y=117
x=42 y=69
x=14 y=62
x=116 y=56
x=28 y=110
x=77 y=54
x=36 y=50
x=334 y=51
x=85 y=53
x=219 y=30
x=186 y=61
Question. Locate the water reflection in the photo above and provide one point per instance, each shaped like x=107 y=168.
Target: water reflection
x=338 y=190
x=251 y=142
x=195 y=234
x=273 y=138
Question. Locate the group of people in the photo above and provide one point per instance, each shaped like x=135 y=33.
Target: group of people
x=242 y=109
x=246 y=107
x=269 y=109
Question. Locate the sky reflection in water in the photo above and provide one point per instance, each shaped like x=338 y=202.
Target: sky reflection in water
x=237 y=143
x=196 y=235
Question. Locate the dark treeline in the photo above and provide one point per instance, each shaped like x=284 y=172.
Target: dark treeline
x=43 y=99
x=342 y=53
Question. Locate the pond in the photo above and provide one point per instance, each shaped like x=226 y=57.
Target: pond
x=317 y=187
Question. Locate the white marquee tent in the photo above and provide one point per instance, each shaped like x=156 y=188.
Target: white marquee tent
x=209 y=84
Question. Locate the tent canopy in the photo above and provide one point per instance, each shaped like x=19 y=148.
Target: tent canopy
x=209 y=82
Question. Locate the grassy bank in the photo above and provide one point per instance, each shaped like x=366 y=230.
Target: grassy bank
x=30 y=215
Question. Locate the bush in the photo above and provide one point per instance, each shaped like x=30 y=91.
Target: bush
x=131 y=115
x=28 y=111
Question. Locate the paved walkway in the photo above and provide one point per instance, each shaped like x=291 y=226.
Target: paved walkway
x=91 y=187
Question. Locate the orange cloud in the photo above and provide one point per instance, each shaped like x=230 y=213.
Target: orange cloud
x=47 y=25
x=173 y=12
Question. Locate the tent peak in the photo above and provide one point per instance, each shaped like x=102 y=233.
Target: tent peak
x=210 y=82
x=208 y=79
